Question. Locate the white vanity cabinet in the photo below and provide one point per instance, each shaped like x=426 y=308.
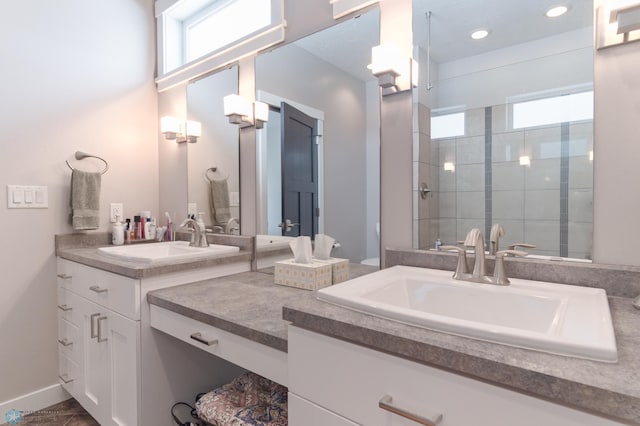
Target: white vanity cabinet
x=327 y=374
x=99 y=348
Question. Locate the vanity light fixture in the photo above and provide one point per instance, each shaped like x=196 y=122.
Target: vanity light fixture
x=395 y=73
x=618 y=22
x=590 y=155
x=243 y=113
x=556 y=11
x=449 y=166
x=479 y=34
x=173 y=129
x=525 y=160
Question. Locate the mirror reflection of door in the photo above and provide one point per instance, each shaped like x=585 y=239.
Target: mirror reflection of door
x=299 y=156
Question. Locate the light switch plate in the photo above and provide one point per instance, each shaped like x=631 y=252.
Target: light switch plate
x=116 y=209
x=27 y=197
x=192 y=209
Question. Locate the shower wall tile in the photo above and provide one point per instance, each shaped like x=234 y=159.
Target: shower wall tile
x=470 y=204
x=580 y=172
x=581 y=206
x=514 y=232
x=544 y=234
x=543 y=174
x=581 y=137
x=508 y=205
x=446 y=150
x=424 y=240
x=466 y=225
x=474 y=122
x=507 y=146
x=542 y=205
x=448 y=231
x=543 y=143
x=470 y=150
x=434 y=229
x=470 y=177
x=447 y=204
x=447 y=180
x=580 y=240
x=508 y=177
x=499 y=119
x=424 y=154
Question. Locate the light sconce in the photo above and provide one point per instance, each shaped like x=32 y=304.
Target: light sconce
x=449 y=166
x=394 y=72
x=525 y=160
x=618 y=23
x=243 y=113
x=173 y=129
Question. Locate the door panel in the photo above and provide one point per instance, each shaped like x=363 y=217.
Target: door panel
x=299 y=172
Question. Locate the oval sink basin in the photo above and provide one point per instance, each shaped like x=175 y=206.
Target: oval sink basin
x=555 y=318
x=166 y=251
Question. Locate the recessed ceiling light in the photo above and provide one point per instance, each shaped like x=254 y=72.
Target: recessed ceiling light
x=479 y=34
x=554 y=12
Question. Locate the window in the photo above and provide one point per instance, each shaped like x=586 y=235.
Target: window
x=447 y=126
x=196 y=37
x=558 y=109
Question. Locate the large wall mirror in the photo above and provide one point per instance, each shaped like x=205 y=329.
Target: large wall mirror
x=213 y=162
x=506 y=130
x=319 y=153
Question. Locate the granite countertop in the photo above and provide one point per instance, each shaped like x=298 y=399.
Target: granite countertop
x=607 y=389
x=248 y=304
x=82 y=248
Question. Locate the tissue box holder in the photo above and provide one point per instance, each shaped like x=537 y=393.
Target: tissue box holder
x=309 y=276
x=339 y=269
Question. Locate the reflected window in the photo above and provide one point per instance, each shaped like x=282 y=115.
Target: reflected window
x=558 y=109
x=447 y=126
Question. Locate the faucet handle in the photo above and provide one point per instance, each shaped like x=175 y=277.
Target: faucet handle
x=462 y=267
x=523 y=245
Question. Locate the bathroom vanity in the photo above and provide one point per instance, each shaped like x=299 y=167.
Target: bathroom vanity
x=110 y=360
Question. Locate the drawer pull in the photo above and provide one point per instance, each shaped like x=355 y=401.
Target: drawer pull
x=97 y=289
x=93 y=328
x=432 y=419
x=100 y=338
x=65 y=342
x=64 y=308
x=198 y=338
x=64 y=276
x=64 y=378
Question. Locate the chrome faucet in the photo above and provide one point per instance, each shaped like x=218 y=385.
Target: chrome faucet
x=476 y=240
x=198 y=236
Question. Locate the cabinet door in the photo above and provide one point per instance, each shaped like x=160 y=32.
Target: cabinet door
x=305 y=413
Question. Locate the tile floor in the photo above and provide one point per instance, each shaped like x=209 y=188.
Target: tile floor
x=66 y=413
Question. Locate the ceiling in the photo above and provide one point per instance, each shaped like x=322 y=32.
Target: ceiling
x=348 y=44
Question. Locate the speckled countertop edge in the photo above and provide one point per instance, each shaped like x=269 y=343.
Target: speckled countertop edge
x=610 y=390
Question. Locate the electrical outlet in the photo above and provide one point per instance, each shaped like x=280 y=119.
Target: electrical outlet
x=116 y=209
x=192 y=209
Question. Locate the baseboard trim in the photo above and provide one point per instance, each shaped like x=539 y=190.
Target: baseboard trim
x=35 y=401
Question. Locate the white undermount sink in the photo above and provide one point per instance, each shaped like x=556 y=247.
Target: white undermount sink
x=555 y=318
x=166 y=251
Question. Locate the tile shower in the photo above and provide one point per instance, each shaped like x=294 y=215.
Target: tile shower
x=547 y=202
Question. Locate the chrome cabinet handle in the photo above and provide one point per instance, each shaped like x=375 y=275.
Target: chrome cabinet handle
x=65 y=342
x=64 y=378
x=64 y=276
x=93 y=328
x=65 y=308
x=198 y=338
x=100 y=338
x=97 y=289
x=431 y=419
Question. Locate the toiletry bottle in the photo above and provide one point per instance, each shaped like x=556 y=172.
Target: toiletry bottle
x=438 y=244
x=152 y=229
x=137 y=228
x=128 y=232
x=147 y=228
x=117 y=234
x=169 y=233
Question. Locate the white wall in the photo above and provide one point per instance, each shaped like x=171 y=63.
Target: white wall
x=76 y=75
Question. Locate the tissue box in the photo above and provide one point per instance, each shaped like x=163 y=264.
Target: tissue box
x=339 y=269
x=309 y=276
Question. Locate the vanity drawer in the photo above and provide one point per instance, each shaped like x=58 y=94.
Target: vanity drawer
x=68 y=372
x=261 y=359
x=116 y=292
x=68 y=303
x=351 y=380
x=68 y=342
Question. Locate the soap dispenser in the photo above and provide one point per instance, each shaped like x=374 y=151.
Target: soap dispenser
x=200 y=222
x=117 y=235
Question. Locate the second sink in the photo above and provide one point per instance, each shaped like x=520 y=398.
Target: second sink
x=166 y=251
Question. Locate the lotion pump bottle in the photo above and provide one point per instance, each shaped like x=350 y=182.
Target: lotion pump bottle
x=117 y=236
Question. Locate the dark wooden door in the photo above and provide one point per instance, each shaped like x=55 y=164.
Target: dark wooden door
x=299 y=173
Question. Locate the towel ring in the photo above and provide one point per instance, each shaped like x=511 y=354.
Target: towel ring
x=79 y=155
x=212 y=170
